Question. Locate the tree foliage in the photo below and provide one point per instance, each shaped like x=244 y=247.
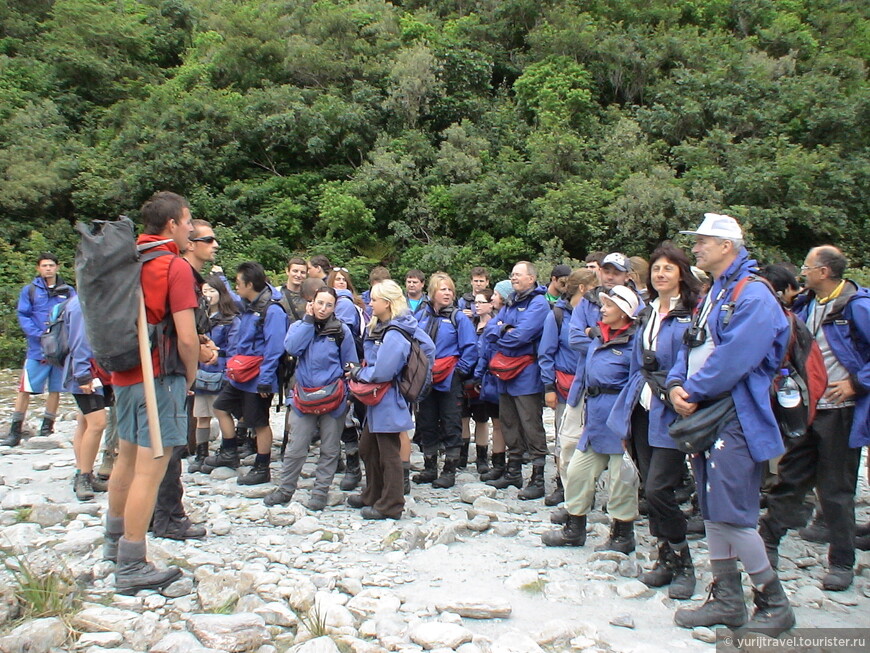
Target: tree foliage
x=439 y=133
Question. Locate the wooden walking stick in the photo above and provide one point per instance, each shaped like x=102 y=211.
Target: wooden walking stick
x=148 y=381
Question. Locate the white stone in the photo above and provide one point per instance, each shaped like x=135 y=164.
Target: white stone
x=486 y=504
x=223 y=473
x=632 y=589
x=276 y=613
x=281 y=517
x=306 y=525
x=47 y=514
x=374 y=601
x=182 y=587
x=43 y=442
x=703 y=634
x=104 y=619
x=299 y=592
x=809 y=596
x=469 y=492
x=148 y=629
x=477 y=608
x=505 y=529
x=216 y=590
x=176 y=642
x=233 y=633
x=105 y=640
x=556 y=633
x=521 y=578
x=435 y=634
x=221 y=526
x=479 y=523
x=20 y=537
x=37 y=636
x=317 y=645
x=514 y=641
x=81 y=541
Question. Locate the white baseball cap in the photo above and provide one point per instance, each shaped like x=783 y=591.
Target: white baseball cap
x=624 y=297
x=719 y=226
x=617 y=260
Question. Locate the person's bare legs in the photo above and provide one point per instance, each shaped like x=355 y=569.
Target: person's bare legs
x=264 y=439
x=481 y=434
x=404 y=447
x=52 y=402
x=133 y=487
x=86 y=441
x=498 y=444
x=227 y=424
x=22 y=401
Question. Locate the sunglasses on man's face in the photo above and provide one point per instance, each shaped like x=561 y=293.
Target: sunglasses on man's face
x=204 y=239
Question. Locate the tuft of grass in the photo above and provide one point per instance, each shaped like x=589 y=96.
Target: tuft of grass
x=227 y=606
x=22 y=514
x=535 y=587
x=327 y=536
x=315 y=621
x=51 y=594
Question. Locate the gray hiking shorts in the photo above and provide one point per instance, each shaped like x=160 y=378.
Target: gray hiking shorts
x=133 y=418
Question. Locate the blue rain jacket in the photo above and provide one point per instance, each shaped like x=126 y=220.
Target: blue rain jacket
x=847 y=329
x=668 y=343
x=746 y=358
x=266 y=339
x=77 y=366
x=460 y=340
x=488 y=383
x=526 y=314
x=34 y=306
x=224 y=337
x=348 y=312
x=320 y=358
x=386 y=354
x=554 y=350
x=606 y=366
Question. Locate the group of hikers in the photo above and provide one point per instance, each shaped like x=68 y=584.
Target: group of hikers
x=762 y=385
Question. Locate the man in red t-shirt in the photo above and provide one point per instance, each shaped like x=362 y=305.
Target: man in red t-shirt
x=168 y=288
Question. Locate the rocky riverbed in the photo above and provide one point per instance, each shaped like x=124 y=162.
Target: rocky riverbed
x=464 y=570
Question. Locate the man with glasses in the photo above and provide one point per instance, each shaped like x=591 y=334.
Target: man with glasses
x=479 y=281
x=827 y=456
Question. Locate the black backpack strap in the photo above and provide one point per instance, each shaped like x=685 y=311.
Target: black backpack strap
x=559 y=315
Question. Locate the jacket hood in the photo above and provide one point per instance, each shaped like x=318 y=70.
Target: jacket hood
x=343 y=292
x=742 y=262
x=60 y=286
x=406 y=322
x=564 y=304
x=261 y=302
x=850 y=290
x=516 y=297
x=329 y=327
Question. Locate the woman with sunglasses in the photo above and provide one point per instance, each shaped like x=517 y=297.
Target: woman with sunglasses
x=322 y=346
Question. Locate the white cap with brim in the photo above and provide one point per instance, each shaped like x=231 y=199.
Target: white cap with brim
x=624 y=297
x=718 y=226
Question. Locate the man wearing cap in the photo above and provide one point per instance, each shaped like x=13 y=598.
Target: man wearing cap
x=601 y=375
x=733 y=349
x=521 y=392
x=558 y=280
x=828 y=455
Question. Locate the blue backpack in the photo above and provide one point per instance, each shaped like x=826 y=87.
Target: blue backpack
x=55 y=339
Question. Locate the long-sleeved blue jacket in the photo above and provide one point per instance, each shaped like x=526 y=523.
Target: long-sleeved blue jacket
x=386 y=355
x=746 y=358
x=847 y=329
x=262 y=327
x=668 y=343
x=488 y=383
x=554 y=350
x=320 y=358
x=34 y=305
x=521 y=323
x=460 y=340
x=77 y=366
x=606 y=366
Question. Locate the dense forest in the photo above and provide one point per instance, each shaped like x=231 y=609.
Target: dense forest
x=438 y=135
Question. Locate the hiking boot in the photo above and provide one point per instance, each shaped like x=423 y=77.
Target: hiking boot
x=559 y=515
x=355 y=501
x=134 y=574
x=82 y=487
x=863 y=530
x=225 y=457
x=195 y=464
x=278 y=497
x=573 y=533
x=448 y=474
x=258 y=475
x=480 y=462
x=106 y=466
x=773 y=614
x=47 y=427
x=513 y=475
x=110 y=546
x=497 y=470
x=621 y=538
x=370 y=512
x=684 y=581
x=662 y=572
x=247 y=447
x=724 y=605
x=352 y=473
x=817 y=531
x=463 y=454
x=13 y=439
x=406 y=478
x=316 y=502
x=186 y=532
x=838 y=579
x=98 y=484
x=535 y=487
x=862 y=543
x=430 y=470
x=557 y=496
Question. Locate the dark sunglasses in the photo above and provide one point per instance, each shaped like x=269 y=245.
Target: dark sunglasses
x=204 y=239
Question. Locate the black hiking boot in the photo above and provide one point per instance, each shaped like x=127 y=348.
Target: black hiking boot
x=225 y=457
x=573 y=533
x=557 y=496
x=481 y=462
x=513 y=475
x=621 y=537
x=430 y=470
x=447 y=477
x=497 y=470
x=13 y=439
x=724 y=605
x=535 y=487
x=195 y=464
x=463 y=454
x=47 y=427
x=352 y=473
x=773 y=614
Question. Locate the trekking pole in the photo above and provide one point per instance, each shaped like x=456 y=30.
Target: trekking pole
x=148 y=381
